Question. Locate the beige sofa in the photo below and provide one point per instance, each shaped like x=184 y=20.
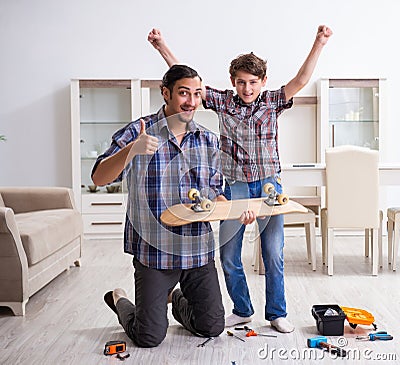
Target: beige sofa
x=40 y=237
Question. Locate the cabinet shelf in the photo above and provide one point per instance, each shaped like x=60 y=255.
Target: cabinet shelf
x=100 y=192
x=353 y=121
x=100 y=122
x=297 y=100
x=305 y=100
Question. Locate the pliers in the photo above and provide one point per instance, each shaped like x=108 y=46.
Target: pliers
x=381 y=335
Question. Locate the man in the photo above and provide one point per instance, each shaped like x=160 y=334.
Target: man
x=163 y=156
x=249 y=141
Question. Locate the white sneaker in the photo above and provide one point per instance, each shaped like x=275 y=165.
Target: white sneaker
x=233 y=320
x=281 y=324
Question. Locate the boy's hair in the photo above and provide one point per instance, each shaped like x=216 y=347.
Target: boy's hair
x=249 y=63
x=175 y=73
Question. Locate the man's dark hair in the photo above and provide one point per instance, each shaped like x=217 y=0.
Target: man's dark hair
x=175 y=73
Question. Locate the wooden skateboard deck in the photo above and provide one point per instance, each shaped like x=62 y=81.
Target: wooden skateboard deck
x=180 y=214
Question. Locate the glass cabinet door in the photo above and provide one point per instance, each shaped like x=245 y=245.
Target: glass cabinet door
x=354 y=113
x=103 y=110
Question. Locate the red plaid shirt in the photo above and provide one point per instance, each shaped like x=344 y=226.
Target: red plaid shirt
x=249 y=132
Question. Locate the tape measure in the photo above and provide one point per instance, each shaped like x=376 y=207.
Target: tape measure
x=114 y=347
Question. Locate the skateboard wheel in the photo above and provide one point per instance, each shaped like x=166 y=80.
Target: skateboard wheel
x=269 y=188
x=193 y=193
x=282 y=199
x=206 y=204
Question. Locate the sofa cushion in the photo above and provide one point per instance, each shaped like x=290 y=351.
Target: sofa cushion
x=1 y=202
x=46 y=231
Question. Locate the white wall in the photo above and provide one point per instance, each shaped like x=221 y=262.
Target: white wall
x=45 y=43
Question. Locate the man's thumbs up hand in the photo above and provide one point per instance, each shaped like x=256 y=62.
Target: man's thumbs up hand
x=144 y=144
x=142 y=127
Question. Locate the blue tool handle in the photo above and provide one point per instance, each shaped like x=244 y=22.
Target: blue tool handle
x=380 y=336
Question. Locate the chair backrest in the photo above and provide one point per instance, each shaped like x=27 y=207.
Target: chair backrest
x=352 y=187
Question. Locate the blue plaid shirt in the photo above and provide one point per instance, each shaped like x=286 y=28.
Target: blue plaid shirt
x=158 y=181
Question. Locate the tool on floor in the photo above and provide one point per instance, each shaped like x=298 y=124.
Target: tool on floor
x=381 y=336
x=205 y=342
x=251 y=332
x=321 y=342
x=266 y=335
x=357 y=316
x=122 y=356
x=114 y=347
x=229 y=333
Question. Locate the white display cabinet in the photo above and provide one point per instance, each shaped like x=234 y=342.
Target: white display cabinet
x=350 y=112
x=98 y=109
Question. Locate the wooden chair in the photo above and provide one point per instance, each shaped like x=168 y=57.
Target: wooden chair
x=393 y=215
x=306 y=219
x=352 y=199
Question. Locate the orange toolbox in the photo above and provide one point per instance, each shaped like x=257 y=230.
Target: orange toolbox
x=357 y=316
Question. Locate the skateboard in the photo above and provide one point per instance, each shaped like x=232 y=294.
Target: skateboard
x=205 y=210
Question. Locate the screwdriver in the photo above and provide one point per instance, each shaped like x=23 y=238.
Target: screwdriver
x=232 y=334
x=382 y=336
x=265 y=335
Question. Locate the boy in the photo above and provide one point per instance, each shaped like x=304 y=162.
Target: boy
x=250 y=158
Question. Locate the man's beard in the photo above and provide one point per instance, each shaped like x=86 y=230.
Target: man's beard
x=185 y=118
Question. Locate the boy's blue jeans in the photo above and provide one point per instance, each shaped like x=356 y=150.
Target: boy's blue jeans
x=272 y=242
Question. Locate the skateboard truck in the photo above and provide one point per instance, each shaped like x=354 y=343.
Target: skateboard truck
x=273 y=196
x=201 y=203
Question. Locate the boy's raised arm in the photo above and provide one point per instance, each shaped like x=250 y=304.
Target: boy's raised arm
x=306 y=70
x=157 y=41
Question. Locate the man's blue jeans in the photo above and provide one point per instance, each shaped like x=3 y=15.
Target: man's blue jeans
x=272 y=242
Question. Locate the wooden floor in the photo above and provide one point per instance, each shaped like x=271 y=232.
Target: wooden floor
x=68 y=323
